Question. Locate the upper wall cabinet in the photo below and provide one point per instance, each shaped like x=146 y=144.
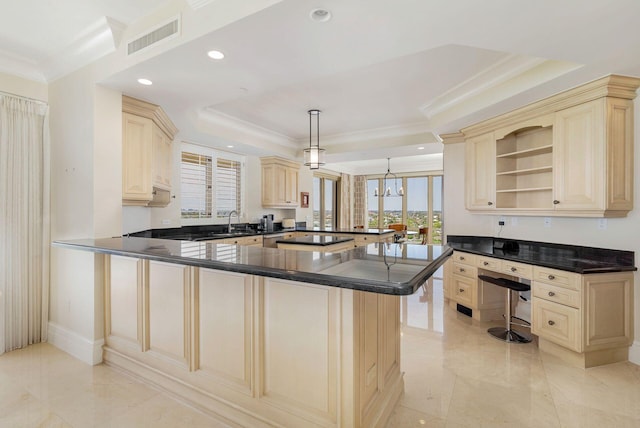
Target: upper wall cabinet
x=279 y=183
x=568 y=155
x=147 y=134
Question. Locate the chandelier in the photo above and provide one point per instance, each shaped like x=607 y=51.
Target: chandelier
x=386 y=190
x=314 y=155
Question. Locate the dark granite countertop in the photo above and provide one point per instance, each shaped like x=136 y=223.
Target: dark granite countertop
x=343 y=230
x=379 y=268
x=572 y=258
x=317 y=240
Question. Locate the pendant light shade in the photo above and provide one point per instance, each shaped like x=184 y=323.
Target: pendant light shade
x=314 y=155
x=386 y=190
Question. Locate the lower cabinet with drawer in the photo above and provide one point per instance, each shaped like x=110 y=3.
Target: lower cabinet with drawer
x=486 y=301
x=586 y=319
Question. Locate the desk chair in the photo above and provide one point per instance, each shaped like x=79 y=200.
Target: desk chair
x=506 y=333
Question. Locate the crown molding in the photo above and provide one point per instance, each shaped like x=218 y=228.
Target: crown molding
x=18 y=65
x=623 y=87
x=96 y=41
x=373 y=134
x=500 y=72
x=507 y=78
x=150 y=111
x=230 y=123
x=197 y=4
x=453 y=138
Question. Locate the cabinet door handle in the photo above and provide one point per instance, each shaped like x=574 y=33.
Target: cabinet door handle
x=551 y=322
x=556 y=202
x=461 y=290
x=551 y=277
x=551 y=294
x=489 y=203
x=461 y=258
x=513 y=269
x=486 y=263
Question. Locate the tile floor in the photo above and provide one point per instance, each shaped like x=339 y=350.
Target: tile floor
x=456 y=375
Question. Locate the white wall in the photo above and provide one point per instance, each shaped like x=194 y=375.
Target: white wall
x=86 y=170
x=23 y=87
x=620 y=234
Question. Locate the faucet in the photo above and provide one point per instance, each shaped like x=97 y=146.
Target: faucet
x=229 y=225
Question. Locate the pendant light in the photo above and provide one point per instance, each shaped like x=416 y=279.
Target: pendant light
x=314 y=155
x=386 y=190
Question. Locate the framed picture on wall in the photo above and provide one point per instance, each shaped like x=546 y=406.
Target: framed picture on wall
x=304 y=199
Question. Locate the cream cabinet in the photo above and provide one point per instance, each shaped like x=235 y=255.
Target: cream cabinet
x=568 y=155
x=586 y=320
x=593 y=163
x=485 y=300
x=591 y=315
x=480 y=172
x=280 y=183
x=147 y=134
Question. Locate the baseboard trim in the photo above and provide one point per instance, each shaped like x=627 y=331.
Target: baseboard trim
x=634 y=353
x=74 y=344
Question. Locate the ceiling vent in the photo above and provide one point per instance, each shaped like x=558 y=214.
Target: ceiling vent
x=165 y=31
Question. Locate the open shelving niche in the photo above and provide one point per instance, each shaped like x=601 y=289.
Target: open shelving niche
x=524 y=169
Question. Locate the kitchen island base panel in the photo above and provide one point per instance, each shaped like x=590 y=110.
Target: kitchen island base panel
x=586 y=359
x=257 y=351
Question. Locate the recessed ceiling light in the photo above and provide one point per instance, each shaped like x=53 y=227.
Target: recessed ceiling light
x=230 y=146
x=320 y=15
x=215 y=54
x=145 y=82
x=420 y=148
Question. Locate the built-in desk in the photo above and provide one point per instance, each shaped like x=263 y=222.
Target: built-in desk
x=582 y=298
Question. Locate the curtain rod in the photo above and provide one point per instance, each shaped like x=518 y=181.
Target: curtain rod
x=23 y=97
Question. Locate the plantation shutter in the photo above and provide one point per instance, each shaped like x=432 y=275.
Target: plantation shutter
x=228 y=187
x=196 y=182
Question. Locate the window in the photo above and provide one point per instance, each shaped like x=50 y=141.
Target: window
x=195 y=179
x=325 y=201
x=211 y=184
x=228 y=187
x=420 y=209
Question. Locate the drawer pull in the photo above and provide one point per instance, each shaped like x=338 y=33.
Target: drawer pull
x=551 y=294
x=513 y=269
x=551 y=277
x=552 y=322
x=489 y=203
x=461 y=258
x=461 y=290
x=461 y=270
x=486 y=263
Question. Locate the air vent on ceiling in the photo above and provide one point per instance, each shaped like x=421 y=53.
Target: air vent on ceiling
x=162 y=32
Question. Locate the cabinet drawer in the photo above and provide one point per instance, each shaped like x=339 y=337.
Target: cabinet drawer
x=556 y=323
x=465 y=270
x=466 y=258
x=520 y=270
x=253 y=240
x=463 y=290
x=555 y=294
x=489 y=263
x=556 y=277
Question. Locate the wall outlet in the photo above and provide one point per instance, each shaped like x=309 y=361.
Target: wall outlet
x=602 y=223
x=502 y=221
x=166 y=221
x=547 y=222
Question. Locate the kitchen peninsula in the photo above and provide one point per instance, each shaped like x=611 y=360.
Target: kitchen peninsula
x=262 y=336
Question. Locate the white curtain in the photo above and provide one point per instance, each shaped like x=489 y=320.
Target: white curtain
x=24 y=222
